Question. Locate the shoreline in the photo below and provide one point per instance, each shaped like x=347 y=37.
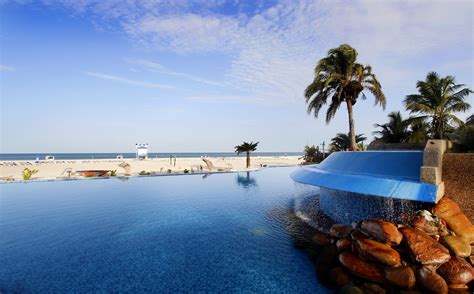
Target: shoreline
x=125 y=178
x=48 y=170
x=132 y=155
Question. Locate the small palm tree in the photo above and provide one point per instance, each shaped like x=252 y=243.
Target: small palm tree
x=338 y=78
x=361 y=146
x=395 y=131
x=400 y=130
x=438 y=99
x=247 y=148
x=419 y=130
x=312 y=154
x=342 y=142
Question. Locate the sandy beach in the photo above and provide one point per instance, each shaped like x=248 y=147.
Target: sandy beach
x=59 y=169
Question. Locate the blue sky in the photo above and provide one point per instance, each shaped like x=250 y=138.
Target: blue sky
x=100 y=76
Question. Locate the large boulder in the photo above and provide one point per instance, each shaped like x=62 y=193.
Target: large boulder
x=340 y=231
x=429 y=280
x=371 y=288
x=344 y=244
x=456 y=245
x=339 y=276
x=402 y=277
x=456 y=271
x=321 y=239
x=424 y=249
x=350 y=289
x=457 y=221
x=361 y=268
x=459 y=289
x=325 y=261
x=429 y=224
x=381 y=231
x=357 y=235
x=375 y=251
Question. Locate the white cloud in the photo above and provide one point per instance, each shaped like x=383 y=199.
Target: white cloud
x=213 y=98
x=126 y=81
x=158 y=68
x=6 y=68
x=273 y=50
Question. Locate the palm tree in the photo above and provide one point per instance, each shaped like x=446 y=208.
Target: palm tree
x=419 y=130
x=438 y=99
x=342 y=142
x=463 y=137
x=247 y=148
x=339 y=78
x=400 y=130
x=395 y=131
x=470 y=120
x=361 y=146
x=312 y=154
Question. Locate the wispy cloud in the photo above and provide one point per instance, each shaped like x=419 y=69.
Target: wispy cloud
x=274 y=51
x=213 y=98
x=6 y=68
x=273 y=48
x=158 y=68
x=144 y=84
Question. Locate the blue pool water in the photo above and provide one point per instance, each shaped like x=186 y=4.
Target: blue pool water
x=220 y=233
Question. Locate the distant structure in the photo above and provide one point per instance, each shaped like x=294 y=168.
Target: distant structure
x=141 y=151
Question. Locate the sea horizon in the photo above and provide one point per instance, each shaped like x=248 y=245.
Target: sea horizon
x=113 y=155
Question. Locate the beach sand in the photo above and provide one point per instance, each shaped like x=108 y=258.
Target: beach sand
x=57 y=169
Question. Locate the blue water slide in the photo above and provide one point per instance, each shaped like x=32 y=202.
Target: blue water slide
x=394 y=174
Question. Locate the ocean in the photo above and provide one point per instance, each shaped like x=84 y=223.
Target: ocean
x=77 y=156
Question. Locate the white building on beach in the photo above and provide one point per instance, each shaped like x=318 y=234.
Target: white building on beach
x=141 y=151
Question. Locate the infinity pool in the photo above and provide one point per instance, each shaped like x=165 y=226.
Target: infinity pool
x=193 y=233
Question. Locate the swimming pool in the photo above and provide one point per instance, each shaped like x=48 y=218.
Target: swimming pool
x=193 y=233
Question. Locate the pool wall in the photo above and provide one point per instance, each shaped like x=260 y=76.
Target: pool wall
x=394 y=174
x=410 y=175
x=341 y=207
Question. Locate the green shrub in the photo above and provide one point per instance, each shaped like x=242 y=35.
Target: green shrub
x=186 y=171
x=27 y=173
x=312 y=154
x=113 y=173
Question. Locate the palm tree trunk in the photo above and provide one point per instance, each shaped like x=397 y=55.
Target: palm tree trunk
x=248 y=159
x=441 y=130
x=352 y=134
x=437 y=129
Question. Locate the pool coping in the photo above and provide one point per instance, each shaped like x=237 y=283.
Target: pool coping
x=136 y=176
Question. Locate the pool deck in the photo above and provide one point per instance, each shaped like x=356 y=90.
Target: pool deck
x=57 y=169
x=458 y=175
